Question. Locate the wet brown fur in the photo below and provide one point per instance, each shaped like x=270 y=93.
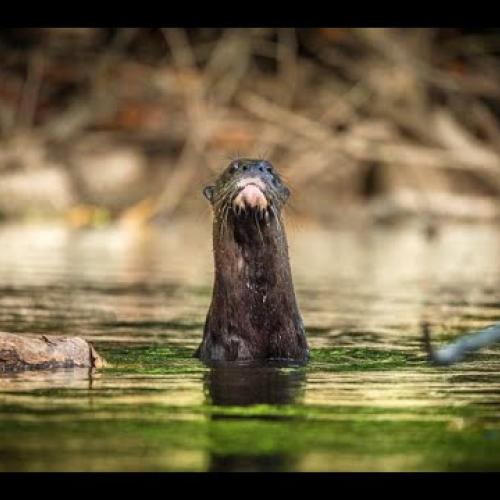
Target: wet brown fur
x=253 y=313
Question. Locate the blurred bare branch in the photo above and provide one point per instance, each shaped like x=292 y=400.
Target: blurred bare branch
x=405 y=120
x=31 y=90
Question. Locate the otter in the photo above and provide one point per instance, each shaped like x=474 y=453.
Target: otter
x=253 y=314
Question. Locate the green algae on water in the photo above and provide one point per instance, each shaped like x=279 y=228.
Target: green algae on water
x=358 y=359
x=163 y=359
x=178 y=359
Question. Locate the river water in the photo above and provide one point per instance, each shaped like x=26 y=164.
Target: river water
x=368 y=400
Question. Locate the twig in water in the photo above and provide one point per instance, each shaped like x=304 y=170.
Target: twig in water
x=458 y=350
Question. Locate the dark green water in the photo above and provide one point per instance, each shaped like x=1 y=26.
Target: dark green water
x=367 y=400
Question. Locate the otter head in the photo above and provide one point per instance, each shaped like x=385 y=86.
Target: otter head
x=247 y=187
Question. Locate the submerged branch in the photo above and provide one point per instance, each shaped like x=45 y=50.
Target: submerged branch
x=456 y=351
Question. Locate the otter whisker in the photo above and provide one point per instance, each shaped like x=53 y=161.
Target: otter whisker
x=278 y=222
x=223 y=223
x=258 y=227
x=226 y=217
x=221 y=201
x=225 y=191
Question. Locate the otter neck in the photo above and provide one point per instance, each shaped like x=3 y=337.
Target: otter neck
x=251 y=263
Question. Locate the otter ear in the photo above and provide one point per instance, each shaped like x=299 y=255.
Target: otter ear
x=208 y=192
x=286 y=193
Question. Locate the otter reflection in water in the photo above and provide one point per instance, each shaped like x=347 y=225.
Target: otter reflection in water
x=243 y=386
x=253 y=314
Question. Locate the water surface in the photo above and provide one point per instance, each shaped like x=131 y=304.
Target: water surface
x=367 y=400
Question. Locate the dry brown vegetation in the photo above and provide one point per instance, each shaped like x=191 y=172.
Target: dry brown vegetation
x=129 y=123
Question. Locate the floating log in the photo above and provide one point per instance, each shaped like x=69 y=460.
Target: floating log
x=27 y=352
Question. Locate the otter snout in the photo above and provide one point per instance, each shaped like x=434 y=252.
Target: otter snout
x=251 y=194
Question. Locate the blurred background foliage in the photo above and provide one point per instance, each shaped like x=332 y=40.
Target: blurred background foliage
x=100 y=125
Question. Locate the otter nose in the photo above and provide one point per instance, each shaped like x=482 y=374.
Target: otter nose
x=256 y=168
